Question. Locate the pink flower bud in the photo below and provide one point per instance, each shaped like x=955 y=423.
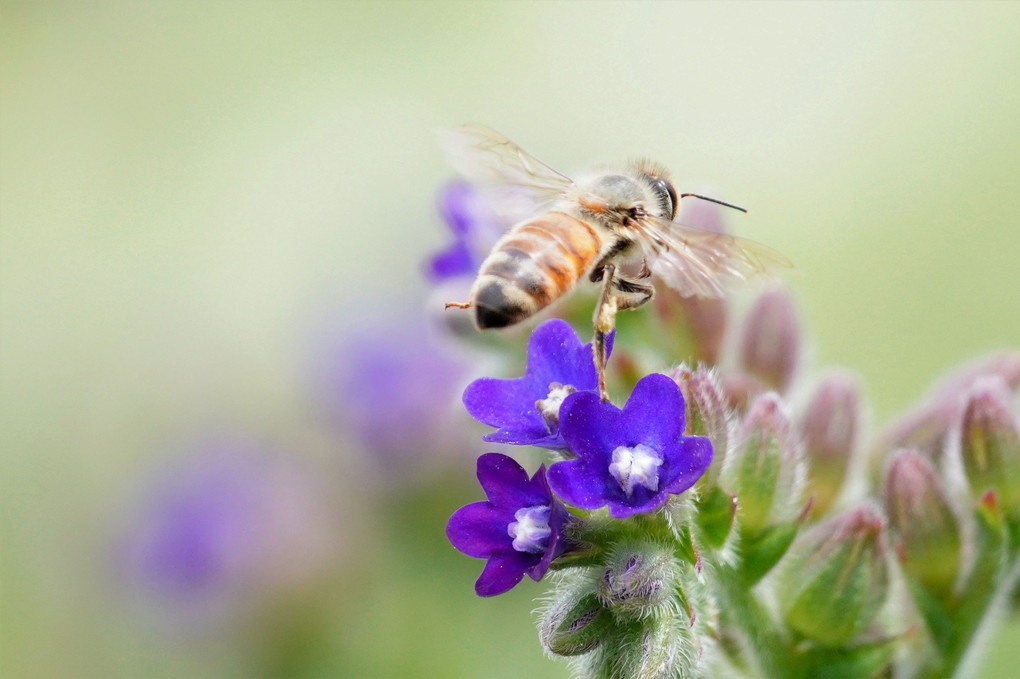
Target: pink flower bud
x=706 y=412
x=923 y=520
x=990 y=442
x=766 y=469
x=830 y=428
x=835 y=579
x=770 y=344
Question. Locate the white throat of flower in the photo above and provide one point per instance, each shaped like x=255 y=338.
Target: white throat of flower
x=636 y=466
x=531 y=530
x=549 y=406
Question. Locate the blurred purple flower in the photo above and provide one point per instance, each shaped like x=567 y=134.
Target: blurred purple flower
x=475 y=230
x=394 y=385
x=518 y=529
x=630 y=459
x=226 y=526
x=526 y=409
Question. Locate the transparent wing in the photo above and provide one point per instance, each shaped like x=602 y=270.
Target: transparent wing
x=699 y=263
x=487 y=158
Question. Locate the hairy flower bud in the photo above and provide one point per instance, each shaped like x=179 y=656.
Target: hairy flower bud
x=923 y=520
x=574 y=625
x=829 y=428
x=706 y=412
x=770 y=344
x=766 y=469
x=835 y=578
x=638 y=579
x=990 y=442
x=662 y=647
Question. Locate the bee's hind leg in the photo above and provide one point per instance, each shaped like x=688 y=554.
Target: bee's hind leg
x=636 y=293
x=458 y=305
x=605 y=321
x=617 y=294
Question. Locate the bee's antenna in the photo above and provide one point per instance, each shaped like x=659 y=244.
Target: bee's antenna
x=713 y=200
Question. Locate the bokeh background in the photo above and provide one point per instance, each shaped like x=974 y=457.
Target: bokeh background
x=211 y=211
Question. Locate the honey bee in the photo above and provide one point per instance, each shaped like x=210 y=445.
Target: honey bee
x=592 y=227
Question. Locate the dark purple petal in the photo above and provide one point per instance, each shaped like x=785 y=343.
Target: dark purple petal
x=502 y=572
x=654 y=413
x=582 y=483
x=558 y=518
x=509 y=405
x=555 y=354
x=689 y=464
x=590 y=427
x=479 y=529
x=506 y=484
x=653 y=417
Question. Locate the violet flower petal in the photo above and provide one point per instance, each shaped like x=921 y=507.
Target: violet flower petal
x=653 y=417
x=481 y=529
x=555 y=354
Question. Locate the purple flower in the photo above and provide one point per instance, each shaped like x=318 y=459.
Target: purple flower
x=394 y=382
x=519 y=529
x=475 y=229
x=224 y=528
x=526 y=409
x=630 y=459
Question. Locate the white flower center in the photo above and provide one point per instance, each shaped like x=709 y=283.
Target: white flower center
x=550 y=405
x=637 y=466
x=531 y=529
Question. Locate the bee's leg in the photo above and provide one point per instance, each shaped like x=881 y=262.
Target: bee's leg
x=459 y=305
x=605 y=321
x=636 y=293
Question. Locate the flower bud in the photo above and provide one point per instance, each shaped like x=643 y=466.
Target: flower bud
x=922 y=518
x=575 y=626
x=638 y=579
x=706 y=413
x=662 y=647
x=990 y=444
x=668 y=649
x=770 y=344
x=835 y=578
x=927 y=426
x=766 y=469
x=829 y=429
x=740 y=390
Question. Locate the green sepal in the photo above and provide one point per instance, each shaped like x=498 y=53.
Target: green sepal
x=717 y=510
x=991 y=542
x=763 y=550
x=580 y=629
x=758 y=478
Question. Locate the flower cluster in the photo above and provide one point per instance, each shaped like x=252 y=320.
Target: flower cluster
x=629 y=459
x=715 y=527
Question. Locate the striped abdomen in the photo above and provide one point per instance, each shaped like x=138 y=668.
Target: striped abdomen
x=531 y=266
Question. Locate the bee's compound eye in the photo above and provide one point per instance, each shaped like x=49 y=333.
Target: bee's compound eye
x=666 y=194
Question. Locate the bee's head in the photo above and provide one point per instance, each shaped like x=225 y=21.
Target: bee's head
x=664 y=193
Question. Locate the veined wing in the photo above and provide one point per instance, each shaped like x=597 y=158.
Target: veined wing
x=487 y=158
x=698 y=263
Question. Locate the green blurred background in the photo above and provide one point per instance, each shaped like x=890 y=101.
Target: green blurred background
x=190 y=191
